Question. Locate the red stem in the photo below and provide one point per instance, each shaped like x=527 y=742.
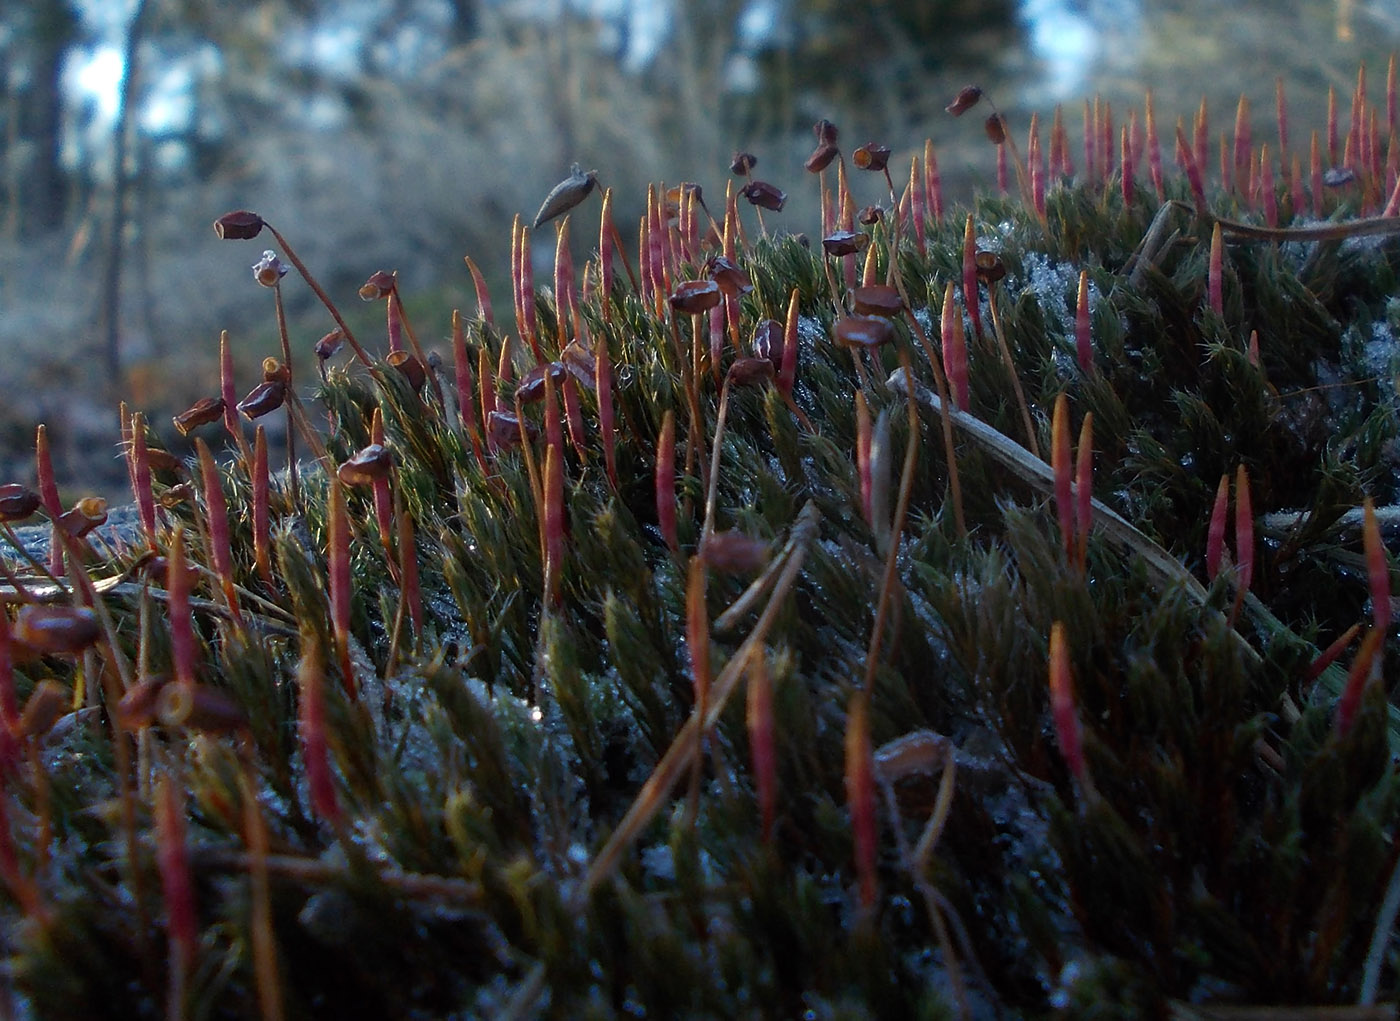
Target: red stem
x=860 y=797
x=1215 y=531
x=1063 y=472
x=666 y=482
x=316 y=288
x=217 y=510
x=1062 y=710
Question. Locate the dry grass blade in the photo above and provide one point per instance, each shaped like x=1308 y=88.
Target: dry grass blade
x=1374 y=226
x=1032 y=470
x=677 y=760
x=1039 y=475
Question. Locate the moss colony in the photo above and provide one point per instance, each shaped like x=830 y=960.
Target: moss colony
x=958 y=613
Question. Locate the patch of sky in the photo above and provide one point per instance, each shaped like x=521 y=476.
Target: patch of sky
x=96 y=74
x=333 y=49
x=415 y=43
x=169 y=104
x=641 y=26
x=1070 y=39
x=760 y=25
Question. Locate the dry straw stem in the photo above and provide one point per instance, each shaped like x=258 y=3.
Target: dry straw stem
x=915 y=862
x=1164 y=567
x=1375 y=226
x=940 y=379
x=263 y=939
x=293 y=473
x=316 y=872
x=890 y=577
x=677 y=760
x=1011 y=372
x=1380 y=942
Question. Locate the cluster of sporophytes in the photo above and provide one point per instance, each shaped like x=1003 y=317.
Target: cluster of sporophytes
x=956 y=612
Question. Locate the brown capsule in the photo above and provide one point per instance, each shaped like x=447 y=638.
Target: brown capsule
x=765 y=195
x=871 y=156
x=264 y=398
x=269 y=269
x=202 y=412
x=328 y=345
x=732 y=280
x=198 y=707
x=863 y=331
x=380 y=285
x=870 y=215
x=877 y=300
x=964 y=101
x=566 y=194
x=412 y=369
x=85 y=515
x=743 y=163
x=275 y=372
x=372 y=463
x=47 y=703
x=733 y=552
x=56 y=629
x=845 y=242
x=157 y=571
x=17 y=502
x=825 y=132
x=821 y=157
x=532 y=384
x=137 y=708
x=995 y=127
x=751 y=371
x=174 y=703
x=176 y=495
x=674 y=196
x=696 y=296
x=580 y=363
x=504 y=429
x=918 y=753
x=164 y=461
x=239 y=225
x=768 y=341
x=990 y=268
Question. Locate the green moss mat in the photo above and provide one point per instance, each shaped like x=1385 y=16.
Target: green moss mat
x=806 y=748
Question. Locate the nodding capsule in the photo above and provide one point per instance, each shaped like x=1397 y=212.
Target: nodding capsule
x=198 y=707
x=56 y=630
x=17 y=502
x=263 y=399
x=696 y=296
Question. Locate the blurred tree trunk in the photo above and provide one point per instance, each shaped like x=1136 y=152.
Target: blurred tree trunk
x=112 y=279
x=466 y=19
x=36 y=184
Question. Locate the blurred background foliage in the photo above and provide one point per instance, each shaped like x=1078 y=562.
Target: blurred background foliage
x=403 y=134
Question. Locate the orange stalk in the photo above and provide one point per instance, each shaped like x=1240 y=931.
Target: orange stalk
x=860 y=798
x=1062 y=710
x=1060 y=464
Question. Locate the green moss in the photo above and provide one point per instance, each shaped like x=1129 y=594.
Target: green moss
x=528 y=819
